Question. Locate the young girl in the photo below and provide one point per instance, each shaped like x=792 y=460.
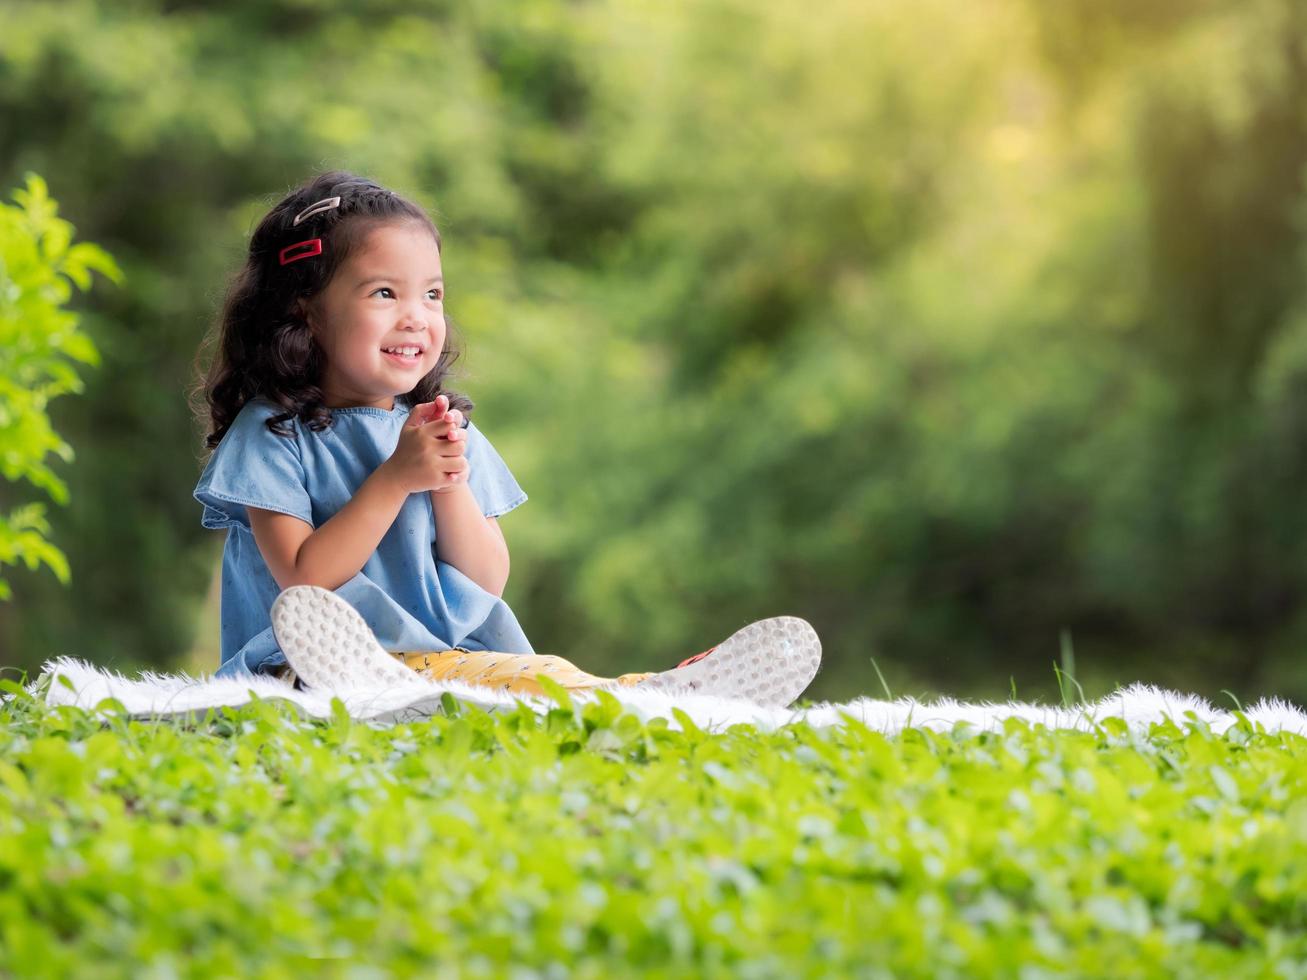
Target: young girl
x=356 y=494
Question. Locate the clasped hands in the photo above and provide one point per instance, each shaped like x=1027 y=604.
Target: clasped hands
x=430 y=452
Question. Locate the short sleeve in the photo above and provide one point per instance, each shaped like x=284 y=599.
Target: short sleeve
x=489 y=478
x=253 y=466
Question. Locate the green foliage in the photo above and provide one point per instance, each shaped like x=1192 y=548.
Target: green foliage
x=588 y=843
x=38 y=341
x=946 y=329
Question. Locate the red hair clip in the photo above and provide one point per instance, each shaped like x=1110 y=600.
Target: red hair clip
x=312 y=246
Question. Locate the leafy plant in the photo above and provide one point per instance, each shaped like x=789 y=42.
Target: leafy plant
x=39 y=343
x=587 y=842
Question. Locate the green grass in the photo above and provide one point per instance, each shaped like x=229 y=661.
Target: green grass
x=595 y=846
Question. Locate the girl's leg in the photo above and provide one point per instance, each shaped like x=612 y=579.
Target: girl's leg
x=513 y=672
x=330 y=646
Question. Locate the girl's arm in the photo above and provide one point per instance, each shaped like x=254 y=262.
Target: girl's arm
x=329 y=557
x=468 y=540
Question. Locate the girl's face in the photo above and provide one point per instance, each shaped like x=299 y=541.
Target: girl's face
x=385 y=300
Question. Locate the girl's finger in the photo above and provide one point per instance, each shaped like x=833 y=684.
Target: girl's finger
x=421 y=414
x=441 y=427
x=449 y=448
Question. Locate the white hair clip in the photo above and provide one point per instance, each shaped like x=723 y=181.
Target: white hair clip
x=326 y=204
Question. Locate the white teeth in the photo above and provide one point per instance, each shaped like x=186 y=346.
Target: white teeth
x=406 y=351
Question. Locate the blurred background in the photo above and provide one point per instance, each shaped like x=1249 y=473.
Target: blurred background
x=975 y=333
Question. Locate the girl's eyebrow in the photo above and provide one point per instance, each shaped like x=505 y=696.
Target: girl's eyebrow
x=367 y=282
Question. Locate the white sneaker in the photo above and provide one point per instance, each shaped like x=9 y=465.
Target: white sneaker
x=770 y=662
x=330 y=646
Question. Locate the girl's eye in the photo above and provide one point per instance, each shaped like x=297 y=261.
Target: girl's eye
x=440 y=293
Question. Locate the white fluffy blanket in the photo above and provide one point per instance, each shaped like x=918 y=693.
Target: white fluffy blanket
x=155 y=695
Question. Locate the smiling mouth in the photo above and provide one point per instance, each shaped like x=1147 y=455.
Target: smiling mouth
x=406 y=355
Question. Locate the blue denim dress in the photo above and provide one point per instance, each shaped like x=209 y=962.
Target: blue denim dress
x=410 y=599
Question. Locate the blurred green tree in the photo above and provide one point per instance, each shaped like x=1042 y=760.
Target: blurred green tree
x=38 y=340
x=946 y=328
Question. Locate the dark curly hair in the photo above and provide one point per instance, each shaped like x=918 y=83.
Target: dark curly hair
x=264 y=346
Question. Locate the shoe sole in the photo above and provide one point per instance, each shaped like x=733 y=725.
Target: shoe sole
x=330 y=646
x=770 y=662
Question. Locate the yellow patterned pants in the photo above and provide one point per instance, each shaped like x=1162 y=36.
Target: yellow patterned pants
x=513 y=672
